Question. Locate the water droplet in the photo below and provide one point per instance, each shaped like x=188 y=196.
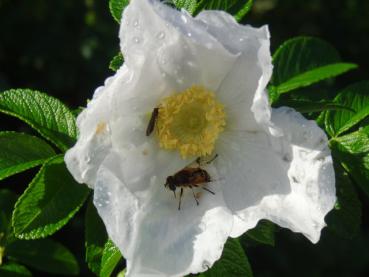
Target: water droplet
x=160 y=35
x=242 y=39
x=184 y=18
x=189 y=34
x=136 y=40
x=107 y=202
x=99 y=204
x=109 y=193
x=136 y=23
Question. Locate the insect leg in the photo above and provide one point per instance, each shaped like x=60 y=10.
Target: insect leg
x=208 y=190
x=194 y=196
x=180 y=198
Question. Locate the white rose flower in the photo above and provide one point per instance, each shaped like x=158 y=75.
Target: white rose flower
x=207 y=77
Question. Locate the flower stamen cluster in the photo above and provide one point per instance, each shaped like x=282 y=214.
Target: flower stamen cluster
x=190 y=122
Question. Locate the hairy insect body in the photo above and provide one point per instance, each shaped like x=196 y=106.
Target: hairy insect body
x=189 y=177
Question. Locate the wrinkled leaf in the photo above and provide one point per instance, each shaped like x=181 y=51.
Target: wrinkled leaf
x=302 y=61
x=50 y=201
x=304 y=106
x=116 y=8
x=95 y=238
x=14 y=270
x=45 y=255
x=19 y=152
x=356 y=97
x=263 y=232
x=47 y=115
x=345 y=219
x=110 y=259
x=116 y=62
x=352 y=151
x=238 y=8
x=233 y=262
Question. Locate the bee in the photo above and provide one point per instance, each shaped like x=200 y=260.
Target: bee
x=190 y=177
x=152 y=122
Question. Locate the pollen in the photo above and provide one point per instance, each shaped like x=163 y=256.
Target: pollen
x=190 y=122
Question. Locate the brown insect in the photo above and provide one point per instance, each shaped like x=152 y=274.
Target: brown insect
x=190 y=177
x=152 y=122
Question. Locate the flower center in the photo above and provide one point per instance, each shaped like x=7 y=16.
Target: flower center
x=190 y=122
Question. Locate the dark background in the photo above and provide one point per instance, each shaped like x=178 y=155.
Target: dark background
x=63 y=48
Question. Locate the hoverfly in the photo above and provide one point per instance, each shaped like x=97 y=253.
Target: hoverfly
x=190 y=177
x=152 y=122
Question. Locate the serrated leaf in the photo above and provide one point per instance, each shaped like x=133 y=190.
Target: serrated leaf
x=352 y=151
x=14 y=270
x=116 y=8
x=95 y=238
x=356 y=97
x=304 y=106
x=238 y=8
x=189 y=5
x=116 y=62
x=345 y=219
x=263 y=232
x=47 y=115
x=233 y=262
x=50 y=201
x=44 y=255
x=302 y=61
x=110 y=259
x=19 y=152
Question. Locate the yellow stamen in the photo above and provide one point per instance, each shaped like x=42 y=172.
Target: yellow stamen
x=190 y=122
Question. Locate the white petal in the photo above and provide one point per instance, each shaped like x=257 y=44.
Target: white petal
x=94 y=143
x=289 y=180
x=155 y=238
x=243 y=90
x=180 y=47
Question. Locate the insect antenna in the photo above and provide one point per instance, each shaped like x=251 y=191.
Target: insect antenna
x=174 y=192
x=208 y=190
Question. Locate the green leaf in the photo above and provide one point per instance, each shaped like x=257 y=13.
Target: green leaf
x=116 y=62
x=14 y=270
x=19 y=152
x=232 y=263
x=122 y=273
x=356 y=97
x=304 y=106
x=238 y=8
x=189 y=5
x=47 y=115
x=345 y=219
x=116 y=8
x=263 y=232
x=7 y=201
x=110 y=259
x=96 y=237
x=352 y=151
x=45 y=255
x=50 y=201
x=302 y=61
